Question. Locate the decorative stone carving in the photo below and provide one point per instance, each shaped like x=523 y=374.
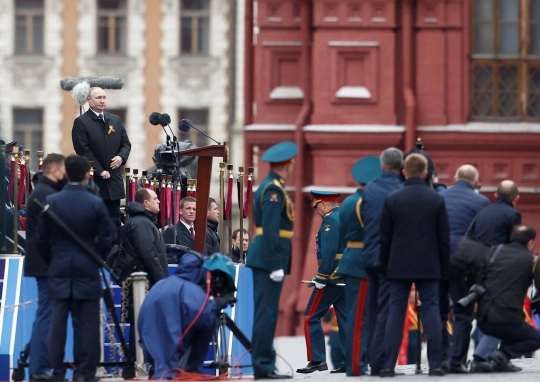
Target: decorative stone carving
x=194 y=72
x=378 y=13
x=29 y=72
x=111 y=65
x=330 y=13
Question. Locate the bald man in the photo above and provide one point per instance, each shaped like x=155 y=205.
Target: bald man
x=101 y=137
x=493 y=226
x=462 y=205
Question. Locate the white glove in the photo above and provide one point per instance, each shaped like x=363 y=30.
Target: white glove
x=317 y=284
x=277 y=276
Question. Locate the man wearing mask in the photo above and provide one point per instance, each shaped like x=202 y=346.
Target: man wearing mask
x=212 y=219
x=236 y=243
x=101 y=137
x=53 y=180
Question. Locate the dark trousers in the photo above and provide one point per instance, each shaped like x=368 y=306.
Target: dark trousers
x=113 y=208
x=39 y=350
x=320 y=301
x=266 y=295
x=516 y=339
x=429 y=314
x=356 y=290
x=86 y=338
x=379 y=308
x=444 y=308
x=462 y=326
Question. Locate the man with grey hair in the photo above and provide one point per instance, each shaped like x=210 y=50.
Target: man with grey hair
x=101 y=137
x=462 y=205
x=373 y=199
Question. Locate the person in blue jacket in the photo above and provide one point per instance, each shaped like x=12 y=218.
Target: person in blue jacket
x=270 y=255
x=329 y=250
x=167 y=311
x=373 y=198
x=353 y=267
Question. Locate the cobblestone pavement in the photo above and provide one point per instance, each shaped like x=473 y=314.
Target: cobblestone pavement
x=530 y=373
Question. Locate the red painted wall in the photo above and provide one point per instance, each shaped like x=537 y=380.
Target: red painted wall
x=360 y=43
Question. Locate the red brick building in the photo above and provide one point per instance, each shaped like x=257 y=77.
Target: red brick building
x=348 y=78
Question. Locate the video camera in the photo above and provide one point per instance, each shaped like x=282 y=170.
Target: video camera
x=167 y=157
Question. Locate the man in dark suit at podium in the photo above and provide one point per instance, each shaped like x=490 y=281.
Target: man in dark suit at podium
x=101 y=137
x=183 y=232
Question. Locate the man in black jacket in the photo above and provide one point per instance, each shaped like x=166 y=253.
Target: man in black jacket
x=52 y=181
x=102 y=138
x=141 y=237
x=238 y=240
x=493 y=226
x=508 y=275
x=212 y=241
x=415 y=247
x=73 y=277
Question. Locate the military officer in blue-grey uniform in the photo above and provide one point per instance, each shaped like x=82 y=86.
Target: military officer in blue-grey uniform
x=270 y=255
x=378 y=303
x=327 y=292
x=353 y=267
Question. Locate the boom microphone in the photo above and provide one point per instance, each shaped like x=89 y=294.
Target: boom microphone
x=185 y=125
x=104 y=82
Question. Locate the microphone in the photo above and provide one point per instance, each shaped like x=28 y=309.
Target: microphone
x=154 y=118
x=104 y=82
x=159 y=119
x=185 y=126
x=165 y=120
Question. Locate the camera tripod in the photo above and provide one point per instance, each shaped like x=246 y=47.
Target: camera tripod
x=221 y=357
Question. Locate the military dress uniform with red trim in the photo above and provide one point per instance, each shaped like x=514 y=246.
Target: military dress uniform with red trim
x=353 y=269
x=329 y=250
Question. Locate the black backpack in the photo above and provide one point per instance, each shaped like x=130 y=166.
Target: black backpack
x=122 y=261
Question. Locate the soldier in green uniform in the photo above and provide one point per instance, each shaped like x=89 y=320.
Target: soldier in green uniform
x=270 y=255
x=353 y=268
x=327 y=292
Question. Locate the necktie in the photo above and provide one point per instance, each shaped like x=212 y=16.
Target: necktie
x=100 y=116
x=192 y=232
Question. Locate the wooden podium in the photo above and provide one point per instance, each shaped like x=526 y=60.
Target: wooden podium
x=204 y=176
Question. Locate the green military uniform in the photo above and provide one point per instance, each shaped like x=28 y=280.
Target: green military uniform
x=353 y=269
x=329 y=249
x=270 y=252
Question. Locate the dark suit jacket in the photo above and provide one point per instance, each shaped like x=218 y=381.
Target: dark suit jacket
x=72 y=273
x=415 y=235
x=507 y=281
x=34 y=263
x=462 y=205
x=183 y=236
x=494 y=224
x=91 y=139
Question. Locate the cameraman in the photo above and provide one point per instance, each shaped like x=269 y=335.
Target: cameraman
x=166 y=313
x=500 y=308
